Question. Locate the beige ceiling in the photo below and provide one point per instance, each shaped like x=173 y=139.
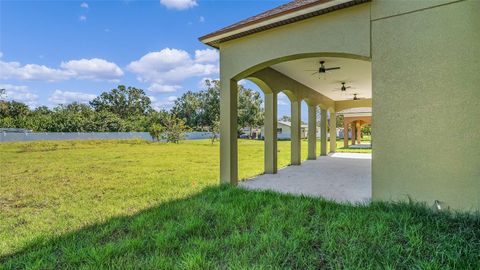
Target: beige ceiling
x=353 y=112
x=355 y=73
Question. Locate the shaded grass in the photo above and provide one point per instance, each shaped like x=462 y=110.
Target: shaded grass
x=229 y=228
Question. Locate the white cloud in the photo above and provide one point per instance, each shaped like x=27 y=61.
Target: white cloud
x=282 y=99
x=164 y=103
x=92 y=69
x=82 y=18
x=202 y=85
x=65 y=97
x=163 y=88
x=20 y=93
x=84 y=5
x=14 y=70
x=179 y=4
x=243 y=82
x=201 y=19
x=206 y=56
x=170 y=67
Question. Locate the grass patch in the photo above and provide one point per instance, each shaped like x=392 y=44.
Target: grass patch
x=134 y=204
x=229 y=228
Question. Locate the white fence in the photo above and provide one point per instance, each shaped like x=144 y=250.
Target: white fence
x=59 y=136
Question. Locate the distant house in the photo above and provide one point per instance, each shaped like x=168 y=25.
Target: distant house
x=340 y=132
x=255 y=133
x=284 y=130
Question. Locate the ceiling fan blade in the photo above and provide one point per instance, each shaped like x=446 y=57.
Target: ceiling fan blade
x=314 y=73
x=333 y=68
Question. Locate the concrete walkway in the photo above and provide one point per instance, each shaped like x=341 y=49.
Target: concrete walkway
x=342 y=177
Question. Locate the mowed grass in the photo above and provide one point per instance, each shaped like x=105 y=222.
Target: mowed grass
x=133 y=204
x=54 y=187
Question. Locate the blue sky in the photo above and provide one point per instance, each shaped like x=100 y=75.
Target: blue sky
x=56 y=52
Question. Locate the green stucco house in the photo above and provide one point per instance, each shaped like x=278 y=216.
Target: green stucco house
x=416 y=64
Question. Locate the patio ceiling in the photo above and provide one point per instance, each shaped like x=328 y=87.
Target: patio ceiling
x=355 y=73
x=355 y=112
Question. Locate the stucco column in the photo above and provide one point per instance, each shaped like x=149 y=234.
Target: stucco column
x=312 y=132
x=333 y=132
x=359 y=132
x=270 y=135
x=295 y=132
x=345 y=134
x=323 y=132
x=228 y=132
x=354 y=132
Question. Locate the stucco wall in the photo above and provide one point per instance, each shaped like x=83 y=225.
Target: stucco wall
x=426 y=103
x=345 y=31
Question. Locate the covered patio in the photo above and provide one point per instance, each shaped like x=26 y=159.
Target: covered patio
x=337 y=55
x=341 y=177
x=331 y=77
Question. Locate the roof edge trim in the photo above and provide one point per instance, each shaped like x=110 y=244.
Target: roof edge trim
x=286 y=17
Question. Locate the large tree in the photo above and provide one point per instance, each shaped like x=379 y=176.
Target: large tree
x=124 y=102
x=201 y=110
x=187 y=107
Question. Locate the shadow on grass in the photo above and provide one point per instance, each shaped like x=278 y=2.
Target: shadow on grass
x=225 y=227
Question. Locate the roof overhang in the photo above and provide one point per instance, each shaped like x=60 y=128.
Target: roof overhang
x=278 y=19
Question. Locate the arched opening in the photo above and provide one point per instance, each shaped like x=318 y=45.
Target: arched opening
x=304 y=130
x=284 y=127
x=251 y=115
x=356 y=129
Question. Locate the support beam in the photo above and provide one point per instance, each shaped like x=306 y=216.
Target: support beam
x=359 y=132
x=323 y=132
x=354 y=133
x=295 y=132
x=333 y=132
x=228 y=132
x=345 y=134
x=312 y=132
x=270 y=135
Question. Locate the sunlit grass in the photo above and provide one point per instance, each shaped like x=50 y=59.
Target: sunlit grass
x=58 y=186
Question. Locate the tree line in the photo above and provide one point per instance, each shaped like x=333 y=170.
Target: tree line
x=126 y=109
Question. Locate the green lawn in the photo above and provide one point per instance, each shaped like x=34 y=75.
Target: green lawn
x=132 y=204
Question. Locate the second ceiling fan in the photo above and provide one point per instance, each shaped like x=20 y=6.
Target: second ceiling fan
x=343 y=88
x=355 y=97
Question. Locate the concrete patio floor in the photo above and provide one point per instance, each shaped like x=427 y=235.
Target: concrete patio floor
x=341 y=177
